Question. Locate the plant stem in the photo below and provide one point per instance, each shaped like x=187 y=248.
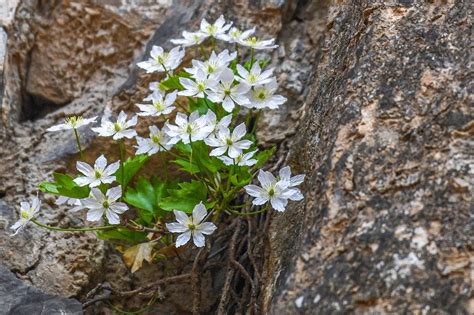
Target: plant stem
x=249 y=213
x=254 y=127
x=49 y=227
x=78 y=143
x=122 y=159
x=191 y=155
x=237 y=50
x=251 y=58
x=166 y=70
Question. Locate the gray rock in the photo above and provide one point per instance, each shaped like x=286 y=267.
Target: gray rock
x=17 y=298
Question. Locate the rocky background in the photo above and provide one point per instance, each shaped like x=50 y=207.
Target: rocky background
x=379 y=117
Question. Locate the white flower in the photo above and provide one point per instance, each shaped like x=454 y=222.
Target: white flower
x=161 y=104
x=101 y=173
x=187 y=129
x=214 y=65
x=27 y=213
x=285 y=175
x=264 y=96
x=224 y=141
x=211 y=119
x=191 y=226
x=190 y=39
x=255 y=76
x=228 y=93
x=98 y=204
x=217 y=29
x=156 y=142
x=199 y=87
x=72 y=122
x=70 y=202
x=256 y=43
x=235 y=35
x=162 y=61
x=118 y=129
x=243 y=159
x=277 y=192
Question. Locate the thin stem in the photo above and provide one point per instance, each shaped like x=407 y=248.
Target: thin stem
x=237 y=50
x=168 y=151
x=249 y=213
x=166 y=70
x=254 y=127
x=122 y=159
x=49 y=227
x=191 y=155
x=78 y=143
x=248 y=117
x=251 y=58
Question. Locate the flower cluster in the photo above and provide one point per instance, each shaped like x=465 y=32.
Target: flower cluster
x=198 y=110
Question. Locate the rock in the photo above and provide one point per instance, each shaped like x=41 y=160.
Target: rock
x=19 y=298
x=385 y=215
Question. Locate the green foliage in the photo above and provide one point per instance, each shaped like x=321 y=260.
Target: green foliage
x=185 y=196
x=146 y=197
x=201 y=161
x=122 y=234
x=172 y=83
x=205 y=162
x=64 y=185
x=263 y=156
x=131 y=167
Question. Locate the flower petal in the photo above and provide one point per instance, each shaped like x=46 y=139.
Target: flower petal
x=183 y=239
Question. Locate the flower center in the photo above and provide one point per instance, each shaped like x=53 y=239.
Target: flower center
x=261 y=95
x=211 y=29
x=156 y=139
x=228 y=141
x=252 y=40
x=161 y=59
x=73 y=121
x=189 y=128
x=117 y=127
x=97 y=174
x=191 y=227
x=227 y=92
x=210 y=68
x=105 y=204
x=271 y=192
x=201 y=87
x=159 y=105
x=235 y=33
x=252 y=78
x=24 y=214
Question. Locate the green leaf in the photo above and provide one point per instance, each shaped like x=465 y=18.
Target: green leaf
x=122 y=234
x=185 y=197
x=202 y=105
x=263 y=156
x=205 y=162
x=183 y=148
x=187 y=166
x=64 y=185
x=172 y=83
x=146 y=196
x=131 y=167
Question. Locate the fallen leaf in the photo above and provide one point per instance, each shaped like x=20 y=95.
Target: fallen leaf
x=135 y=255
